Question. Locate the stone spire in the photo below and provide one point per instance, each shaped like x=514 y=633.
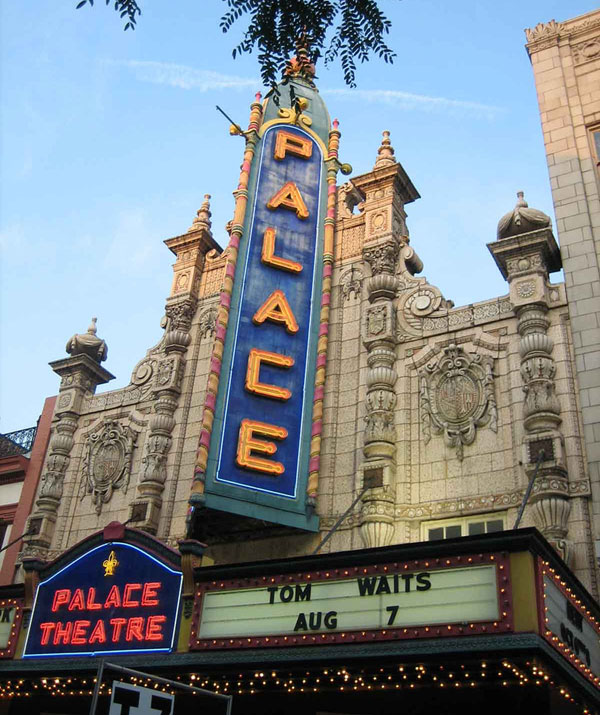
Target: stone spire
x=203 y=215
x=522 y=219
x=88 y=343
x=385 y=153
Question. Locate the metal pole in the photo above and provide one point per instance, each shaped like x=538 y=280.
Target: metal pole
x=14 y=541
x=97 y=687
x=334 y=528
x=540 y=459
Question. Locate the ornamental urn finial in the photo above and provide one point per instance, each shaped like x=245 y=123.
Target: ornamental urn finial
x=88 y=344
x=522 y=219
x=300 y=65
x=203 y=215
x=385 y=153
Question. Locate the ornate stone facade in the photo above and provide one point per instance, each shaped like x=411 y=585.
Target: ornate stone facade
x=425 y=412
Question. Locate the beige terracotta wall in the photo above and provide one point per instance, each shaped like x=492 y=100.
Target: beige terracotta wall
x=565 y=58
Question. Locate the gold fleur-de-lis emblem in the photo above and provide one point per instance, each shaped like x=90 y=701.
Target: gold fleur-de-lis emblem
x=110 y=564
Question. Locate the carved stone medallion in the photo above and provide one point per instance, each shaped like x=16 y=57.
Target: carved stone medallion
x=457 y=396
x=107 y=464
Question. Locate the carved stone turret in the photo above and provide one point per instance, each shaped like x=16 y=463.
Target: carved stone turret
x=386 y=189
x=191 y=249
x=525 y=259
x=88 y=344
x=522 y=219
x=80 y=375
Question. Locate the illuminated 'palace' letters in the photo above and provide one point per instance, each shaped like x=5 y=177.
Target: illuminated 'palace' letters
x=275 y=309
x=289 y=197
x=253 y=384
x=288 y=143
x=248 y=444
x=269 y=258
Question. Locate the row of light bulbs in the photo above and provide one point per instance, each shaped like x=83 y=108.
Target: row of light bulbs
x=342 y=679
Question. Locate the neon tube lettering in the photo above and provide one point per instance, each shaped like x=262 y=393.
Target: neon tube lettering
x=247 y=444
x=269 y=258
x=276 y=309
x=288 y=143
x=289 y=197
x=253 y=384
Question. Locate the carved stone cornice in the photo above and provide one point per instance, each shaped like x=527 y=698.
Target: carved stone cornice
x=536 y=251
x=544 y=34
x=393 y=175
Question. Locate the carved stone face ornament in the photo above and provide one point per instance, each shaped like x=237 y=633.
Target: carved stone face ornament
x=107 y=463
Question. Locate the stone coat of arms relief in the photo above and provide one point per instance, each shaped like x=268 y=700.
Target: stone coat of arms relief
x=107 y=462
x=457 y=396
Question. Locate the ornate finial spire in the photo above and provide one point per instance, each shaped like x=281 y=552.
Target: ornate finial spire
x=385 y=153
x=203 y=215
x=89 y=344
x=522 y=219
x=300 y=65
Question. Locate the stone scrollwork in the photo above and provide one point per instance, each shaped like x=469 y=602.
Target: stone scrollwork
x=351 y=283
x=143 y=371
x=208 y=322
x=180 y=314
x=457 y=396
x=383 y=257
x=107 y=462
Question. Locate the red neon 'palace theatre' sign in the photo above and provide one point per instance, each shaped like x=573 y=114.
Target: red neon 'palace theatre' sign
x=115 y=598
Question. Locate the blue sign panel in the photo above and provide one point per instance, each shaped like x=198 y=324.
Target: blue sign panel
x=260 y=445
x=115 y=598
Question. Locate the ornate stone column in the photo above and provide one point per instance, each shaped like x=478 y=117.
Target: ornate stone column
x=386 y=189
x=526 y=253
x=190 y=249
x=377 y=523
x=80 y=375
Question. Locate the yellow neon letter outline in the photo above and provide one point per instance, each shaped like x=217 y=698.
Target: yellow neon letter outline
x=247 y=444
x=269 y=258
x=289 y=197
x=276 y=309
x=253 y=384
x=288 y=143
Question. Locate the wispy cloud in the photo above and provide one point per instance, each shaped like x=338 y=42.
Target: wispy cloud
x=422 y=102
x=185 y=77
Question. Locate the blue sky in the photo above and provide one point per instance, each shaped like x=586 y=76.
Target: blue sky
x=110 y=139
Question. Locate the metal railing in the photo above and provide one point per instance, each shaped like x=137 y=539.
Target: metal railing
x=19 y=442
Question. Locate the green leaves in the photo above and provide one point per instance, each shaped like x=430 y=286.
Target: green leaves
x=126 y=8
x=275 y=26
x=349 y=30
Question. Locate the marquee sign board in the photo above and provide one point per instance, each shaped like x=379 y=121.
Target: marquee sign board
x=11 y=612
x=568 y=626
x=395 y=601
x=259 y=453
x=115 y=598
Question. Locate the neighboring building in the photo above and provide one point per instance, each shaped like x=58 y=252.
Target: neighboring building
x=21 y=457
x=566 y=65
x=298 y=456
